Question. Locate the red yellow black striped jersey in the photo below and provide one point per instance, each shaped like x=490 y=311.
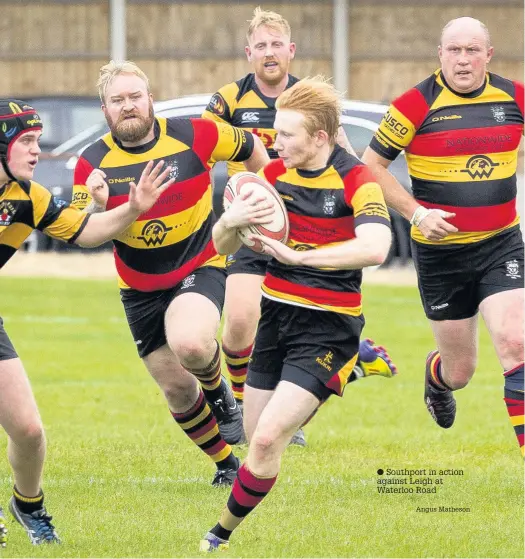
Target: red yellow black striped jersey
x=242 y=104
x=173 y=238
x=27 y=205
x=324 y=208
x=461 y=151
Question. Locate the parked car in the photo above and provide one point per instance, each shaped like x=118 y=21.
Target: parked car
x=360 y=121
x=65 y=117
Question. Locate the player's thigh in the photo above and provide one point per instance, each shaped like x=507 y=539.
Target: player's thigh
x=503 y=315
x=457 y=342
x=501 y=294
x=19 y=414
x=18 y=410
x=193 y=316
x=242 y=302
x=287 y=409
x=255 y=400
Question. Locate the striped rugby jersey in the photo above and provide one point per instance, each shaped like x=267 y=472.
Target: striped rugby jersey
x=242 y=104
x=324 y=208
x=27 y=205
x=172 y=239
x=461 y=151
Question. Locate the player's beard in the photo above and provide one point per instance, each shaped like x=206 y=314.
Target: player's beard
x=273 y=78
x=134 y=130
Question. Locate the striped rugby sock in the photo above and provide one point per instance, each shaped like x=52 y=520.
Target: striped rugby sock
x=247 y=492
x=237 y=365
x=514 y=400
x=200 y=425
x=436 y=373
x=210 y=376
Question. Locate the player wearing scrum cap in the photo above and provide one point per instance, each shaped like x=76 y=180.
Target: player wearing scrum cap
x=26 y=205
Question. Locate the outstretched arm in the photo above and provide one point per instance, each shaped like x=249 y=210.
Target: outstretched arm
x=105 y=226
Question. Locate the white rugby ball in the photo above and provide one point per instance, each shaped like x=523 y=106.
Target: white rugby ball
x=278 y=228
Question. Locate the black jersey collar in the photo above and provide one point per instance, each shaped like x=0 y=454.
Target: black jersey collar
x=270 y=101
x=471 y=94
x=307 y=174
x=144 y=147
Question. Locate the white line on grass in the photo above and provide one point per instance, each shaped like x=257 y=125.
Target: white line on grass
x=161 y=480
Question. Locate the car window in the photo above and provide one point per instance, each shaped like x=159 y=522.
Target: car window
x=51 y=133
x=359 y=137
x=82 y=139
x=84 y=117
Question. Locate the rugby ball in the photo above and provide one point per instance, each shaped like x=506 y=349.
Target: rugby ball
x=278 y=228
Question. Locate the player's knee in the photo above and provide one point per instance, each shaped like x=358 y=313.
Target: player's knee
x=458 y=374
x=194 y=352
x=29 y=434
x=241 y=323
x=457 y=383
x=263 y=443
x=510 y=347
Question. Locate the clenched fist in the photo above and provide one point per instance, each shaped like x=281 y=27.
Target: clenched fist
x=98 y=188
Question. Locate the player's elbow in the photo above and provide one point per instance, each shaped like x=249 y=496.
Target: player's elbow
x=258 y=146
x=375 y=162
x=259 y=157
x=378 y=257
x=87 y=240
x=378 y=248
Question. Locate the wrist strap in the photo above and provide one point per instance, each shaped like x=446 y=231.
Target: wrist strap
x=419 y=215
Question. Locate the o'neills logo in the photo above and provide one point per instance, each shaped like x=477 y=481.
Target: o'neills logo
x=480 y=167
x=121 y=180
x=446 y=117
x=154 y=232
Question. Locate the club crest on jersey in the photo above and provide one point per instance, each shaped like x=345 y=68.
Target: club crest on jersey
x=217 y=104
x=513 y=269
x=154 y=233
x=480 y=167
x=498 y=112
x=7 y=212
x=329 y=204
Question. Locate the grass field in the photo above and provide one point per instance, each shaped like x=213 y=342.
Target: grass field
x=123 y=481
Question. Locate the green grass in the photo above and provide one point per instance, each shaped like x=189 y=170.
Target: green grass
x=122 y=480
